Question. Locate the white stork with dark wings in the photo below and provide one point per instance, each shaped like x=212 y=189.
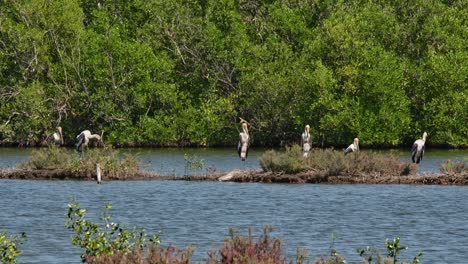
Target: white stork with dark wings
x=417 y=151
x=57 y=137
x=353 y=147
x=82 y=140
x=243 y=144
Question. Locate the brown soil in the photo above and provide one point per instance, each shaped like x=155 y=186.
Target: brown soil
x=249 y=176
x=314 y=177
x=71 y=175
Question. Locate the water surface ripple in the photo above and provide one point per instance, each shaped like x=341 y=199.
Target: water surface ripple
x=427 y=218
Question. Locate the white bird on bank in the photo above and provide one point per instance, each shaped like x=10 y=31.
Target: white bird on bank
x=353 y=147
x=417 y=151
x=243 y=144
x=57 y=137
x=306 y=141
x=83 y=139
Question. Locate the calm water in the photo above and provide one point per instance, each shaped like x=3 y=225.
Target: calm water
x=171 y=161
x=427 y=218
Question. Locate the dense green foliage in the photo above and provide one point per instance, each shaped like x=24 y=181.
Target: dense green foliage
x=9 y=247
x=105 y=239
x=166 y=72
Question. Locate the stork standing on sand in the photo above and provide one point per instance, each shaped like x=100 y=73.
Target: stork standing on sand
x=57 y=137
x=82 y=140
x=305 y=141
x=243 y=144
x=417 y=151
x=353 y=147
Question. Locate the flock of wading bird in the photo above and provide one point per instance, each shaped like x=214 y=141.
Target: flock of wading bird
x=84 y=138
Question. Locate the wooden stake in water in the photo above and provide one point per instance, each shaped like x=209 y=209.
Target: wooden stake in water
x=98 y=173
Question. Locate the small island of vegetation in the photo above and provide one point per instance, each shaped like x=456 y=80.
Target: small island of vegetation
x=288 y=166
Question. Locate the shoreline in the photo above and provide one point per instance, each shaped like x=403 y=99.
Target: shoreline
x=221 y=146
x=247 y=176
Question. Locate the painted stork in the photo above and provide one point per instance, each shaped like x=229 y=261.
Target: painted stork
x=353 y=147
x=306 y=141
x=57 y=137
x=417 y=151
x=82 y=140
x=243 y=144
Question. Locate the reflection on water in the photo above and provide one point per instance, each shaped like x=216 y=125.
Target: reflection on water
x=427 y=218
x=171 y=161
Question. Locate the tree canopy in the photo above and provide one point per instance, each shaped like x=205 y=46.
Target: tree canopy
x=181 y=72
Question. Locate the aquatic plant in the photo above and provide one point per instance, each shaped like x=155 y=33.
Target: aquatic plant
x=450 y=166
x=9 y=247
x=105 y=239
x=393 y=248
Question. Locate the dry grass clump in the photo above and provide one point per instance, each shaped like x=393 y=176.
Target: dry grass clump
x=54 y=158
x=154 y=255
x=330 y=162
x=451 y=167
x=243 y=249
x=288 y=161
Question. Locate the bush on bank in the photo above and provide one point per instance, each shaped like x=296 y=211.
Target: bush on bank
x=450 y=167
x=329 y=162
x=55 y=158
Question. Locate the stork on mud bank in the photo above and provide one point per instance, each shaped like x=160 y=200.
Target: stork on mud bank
x=306 y=142
x=417 y=151
x=243 y=144
x=353 y=147
x=83 y=139
x=57 y=137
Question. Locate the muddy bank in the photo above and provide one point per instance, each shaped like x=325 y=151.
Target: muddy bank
x=315 y=178
x=248 y=176
x=71 y=175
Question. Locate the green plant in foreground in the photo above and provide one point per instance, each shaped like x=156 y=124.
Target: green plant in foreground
x=394 y=249
x=9 y=250
x=106 y=239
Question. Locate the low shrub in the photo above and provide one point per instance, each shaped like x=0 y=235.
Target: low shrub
x=106 y=239
x=289 y=161
x=243 y=249
x=450 y=166
x=330 y=162
x=49 y=158
x=53 y=158
x=154 y=255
